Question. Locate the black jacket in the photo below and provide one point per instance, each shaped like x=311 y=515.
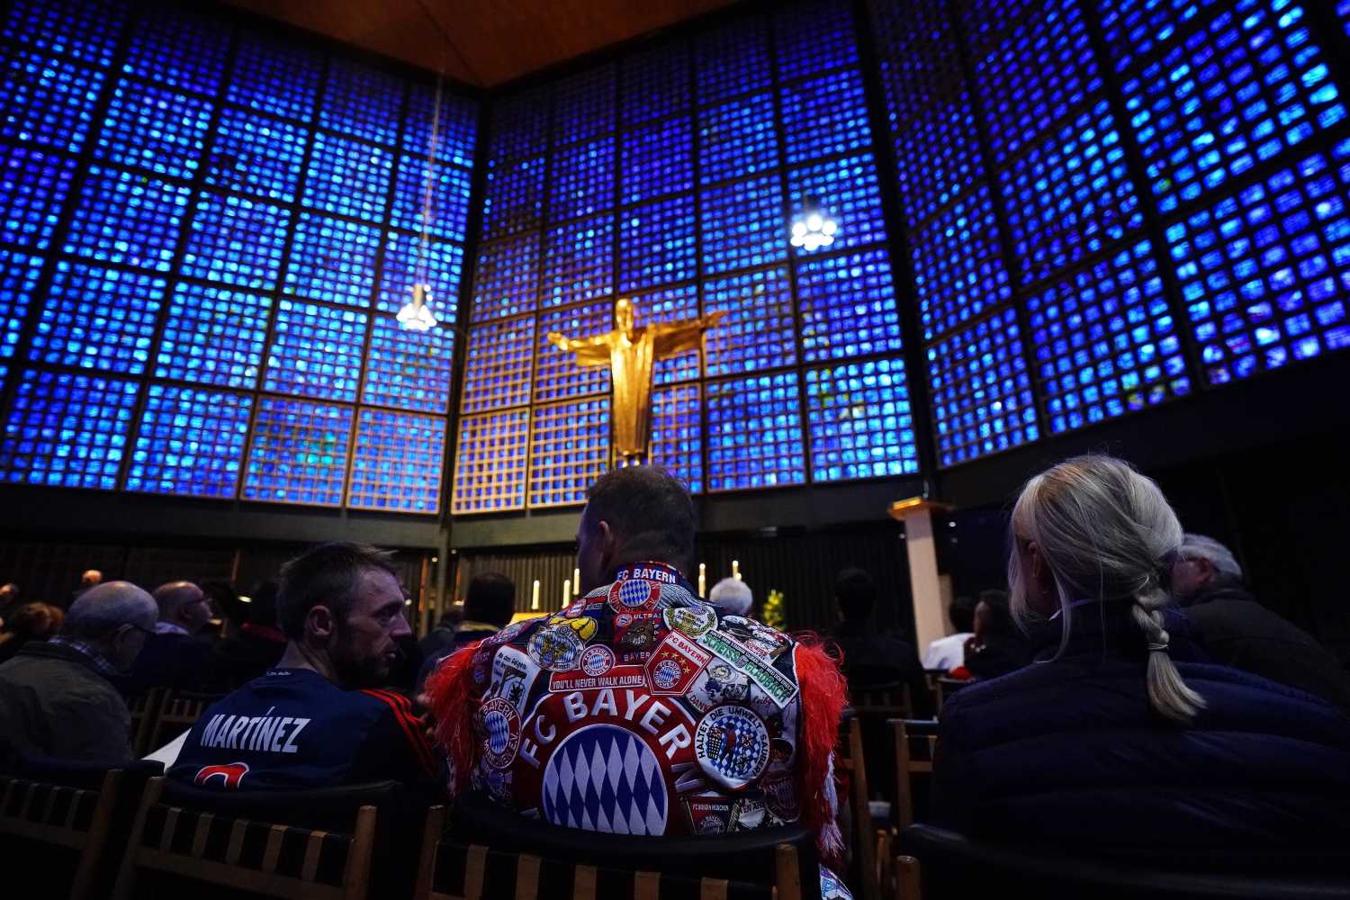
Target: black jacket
x=1069 y=753
x=1240 y=632
x=872 y=658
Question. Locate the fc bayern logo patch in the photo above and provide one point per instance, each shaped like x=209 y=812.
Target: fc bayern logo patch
x=597 y=660
x=634 y=595
x=501 y=732
x=732 y=746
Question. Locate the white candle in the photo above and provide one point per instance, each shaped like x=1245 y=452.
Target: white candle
x=576 y=582
x=736 y=569
x=703 y=579
x=567 y=591
x=534 y=596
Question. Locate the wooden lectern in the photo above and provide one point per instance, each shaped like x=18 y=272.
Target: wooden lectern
x=925 y=585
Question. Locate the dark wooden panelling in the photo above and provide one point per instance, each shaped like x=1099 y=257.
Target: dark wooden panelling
x=802 y=565
x=481 y=42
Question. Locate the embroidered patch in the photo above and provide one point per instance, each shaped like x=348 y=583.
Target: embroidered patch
x=708 y=815
x=780 y=688
x=597 y=660
x=719 y=683
x=634 y=641
x=615 y=677
x=556 y=649
x=500 y=723
x=605 y=778
x=584 y=626
x=731 y=745
x=693 y=621
x=675 y=664
x=633 y=596
x=513 y=676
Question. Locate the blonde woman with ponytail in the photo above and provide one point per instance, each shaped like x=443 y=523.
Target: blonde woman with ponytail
x=1120 y=736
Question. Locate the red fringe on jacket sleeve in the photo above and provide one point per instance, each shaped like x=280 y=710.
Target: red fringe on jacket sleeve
x=450 y=697
x=824 y=694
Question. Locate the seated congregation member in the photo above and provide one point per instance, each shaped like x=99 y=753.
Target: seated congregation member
x=731 y=597
x=173 y=657
x=30 y=622
x=488 y=608
x=1238 y=631
x=238 y=659
x=874 y=658
x=639 y=709
x=57 y=697
x=997 y=647
x=10 y=600
x=89 y=578
x=947 y=653
x=1108 y=744
x=317 y=718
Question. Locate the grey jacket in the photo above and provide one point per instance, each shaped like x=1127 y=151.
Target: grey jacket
x=53 y=702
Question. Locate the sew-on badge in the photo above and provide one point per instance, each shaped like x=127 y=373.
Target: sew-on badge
x=780 y=795
x=597 y=660
x=633 y=596
x=585 y=627
x=500 y=723
x=731 y=745
x=638 y=636
x=709 y=815
x=605 y=778
x=675 y=664
x=556 y=649
x=507 y=634
x=693 y=621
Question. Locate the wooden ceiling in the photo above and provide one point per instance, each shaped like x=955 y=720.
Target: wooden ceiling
x=482 y=42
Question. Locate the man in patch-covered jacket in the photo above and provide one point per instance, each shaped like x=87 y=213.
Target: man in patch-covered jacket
x=639 y=709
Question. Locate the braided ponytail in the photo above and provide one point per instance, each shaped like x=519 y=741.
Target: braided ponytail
x=1167 y=693
x=1106 y=532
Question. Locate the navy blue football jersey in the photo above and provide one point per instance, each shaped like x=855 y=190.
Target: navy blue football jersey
x=293 y=728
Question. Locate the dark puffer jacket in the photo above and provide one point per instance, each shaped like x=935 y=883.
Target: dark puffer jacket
x=1069 y=753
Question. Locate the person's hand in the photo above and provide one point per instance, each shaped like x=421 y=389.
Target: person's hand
x=556 y=339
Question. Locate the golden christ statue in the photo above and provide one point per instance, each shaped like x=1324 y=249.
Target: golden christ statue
x=630 y=353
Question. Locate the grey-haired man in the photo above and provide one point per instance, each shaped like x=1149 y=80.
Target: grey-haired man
x=1238 y=631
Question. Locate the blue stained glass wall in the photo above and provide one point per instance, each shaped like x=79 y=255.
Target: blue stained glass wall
x=195 y=211
x=669 y=176
x=1155 y=208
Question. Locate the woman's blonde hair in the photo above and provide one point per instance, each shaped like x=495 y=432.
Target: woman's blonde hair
x=1106 y=533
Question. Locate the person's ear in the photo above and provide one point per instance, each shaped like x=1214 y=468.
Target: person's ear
x=320 y=622
x=1205 y=568
x=609 y=544
x=1041 y=576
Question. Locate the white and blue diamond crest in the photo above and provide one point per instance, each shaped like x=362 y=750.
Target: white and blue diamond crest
x=498 y=731
x=634 y=594
x=603 y=778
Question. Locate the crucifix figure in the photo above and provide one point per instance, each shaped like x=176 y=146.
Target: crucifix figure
x=630 y=353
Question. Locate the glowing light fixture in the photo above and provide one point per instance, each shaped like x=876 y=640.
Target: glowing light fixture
x=416 y=315
x=812 y=228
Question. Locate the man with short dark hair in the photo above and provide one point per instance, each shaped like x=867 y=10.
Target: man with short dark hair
x=318 y=718
x=640 y=709
x=488 y=608
x=1238 y=631
x=873 y=658
x=172 y=656
x=57 y=697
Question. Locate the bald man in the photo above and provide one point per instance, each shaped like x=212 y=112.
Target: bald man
x=173 y=657
x=57 y=697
